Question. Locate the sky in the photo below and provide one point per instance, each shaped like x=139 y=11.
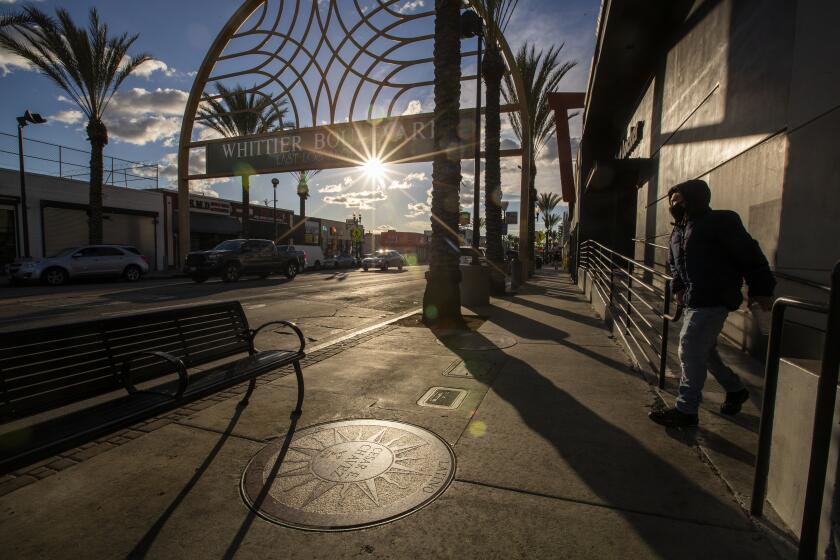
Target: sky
x=144 y=118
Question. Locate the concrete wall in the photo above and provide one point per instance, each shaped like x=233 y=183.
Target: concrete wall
x=44 y=188
x=791 y=447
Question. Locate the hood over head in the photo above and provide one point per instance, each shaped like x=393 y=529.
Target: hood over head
x=696 y=194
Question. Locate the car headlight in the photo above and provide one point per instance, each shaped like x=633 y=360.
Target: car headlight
x=29 y=265
x=212 y=257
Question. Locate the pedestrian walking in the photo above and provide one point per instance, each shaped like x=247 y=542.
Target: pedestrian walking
x=710 y=255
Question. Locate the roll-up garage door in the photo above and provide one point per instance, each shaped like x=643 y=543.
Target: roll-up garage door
x=129 y=229
x=68 y=227
x=63 y=228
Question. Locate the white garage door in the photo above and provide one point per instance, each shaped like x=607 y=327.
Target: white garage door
x=65 y=227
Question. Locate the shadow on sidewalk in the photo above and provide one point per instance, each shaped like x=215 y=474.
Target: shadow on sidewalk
x=142 y=547
x=618 y=479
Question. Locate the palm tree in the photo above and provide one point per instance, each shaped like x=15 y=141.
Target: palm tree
x=236 y=112
x=541 y=73
x=497 y=14
x=550 y=221
x=303 y=178
x=442 y=299
x=547 y=202
x=89 y=64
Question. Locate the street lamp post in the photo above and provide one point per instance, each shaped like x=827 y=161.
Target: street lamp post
x=27 y=118
x=274 y=183
x=472 y=26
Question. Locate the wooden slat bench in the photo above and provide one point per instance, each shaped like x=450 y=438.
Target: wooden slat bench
x=46 y=371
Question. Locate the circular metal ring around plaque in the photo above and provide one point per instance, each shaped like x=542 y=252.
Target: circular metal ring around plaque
x=477 y=341
x=346 y=475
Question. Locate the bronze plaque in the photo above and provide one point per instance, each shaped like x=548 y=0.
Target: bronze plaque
x=348 y=475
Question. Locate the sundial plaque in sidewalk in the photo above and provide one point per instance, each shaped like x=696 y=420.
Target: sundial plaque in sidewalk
x=348 y=475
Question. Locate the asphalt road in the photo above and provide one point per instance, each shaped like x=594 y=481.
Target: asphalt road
x=327 y=304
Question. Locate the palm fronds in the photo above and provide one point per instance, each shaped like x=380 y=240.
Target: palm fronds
x=541 y=74
x=88 y=64
x=238 y=112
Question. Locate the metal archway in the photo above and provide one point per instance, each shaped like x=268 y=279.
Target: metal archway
x=338 y=66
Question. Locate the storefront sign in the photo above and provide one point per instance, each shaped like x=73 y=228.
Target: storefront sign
x=209 y=206
x=394 y=140
x=511 y=218
x=634 y=137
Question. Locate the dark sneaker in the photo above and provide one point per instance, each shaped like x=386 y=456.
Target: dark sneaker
x=673 y=418
x=733 y=402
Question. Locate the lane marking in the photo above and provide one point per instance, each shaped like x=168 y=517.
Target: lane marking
x=366 y=329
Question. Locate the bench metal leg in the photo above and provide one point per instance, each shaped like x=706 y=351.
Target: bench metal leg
x=251 y=386
x=299 y=374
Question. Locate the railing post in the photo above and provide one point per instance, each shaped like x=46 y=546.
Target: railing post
x=823 y=425
x=629 y=292
x=663 y=350
x=768 y=408
x=60 y=172
x=612 y=280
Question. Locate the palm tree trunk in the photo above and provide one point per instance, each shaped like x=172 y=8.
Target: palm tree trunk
x=532 y=217
x=493 y=70
x=98 y=138
x=246 y=206
x=442 y=299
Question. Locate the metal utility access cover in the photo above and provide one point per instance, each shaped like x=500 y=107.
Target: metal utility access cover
x=443 y=397
x=348 y=475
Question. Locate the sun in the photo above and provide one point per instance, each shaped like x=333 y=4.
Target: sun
x=348 y=464
x=374 y=169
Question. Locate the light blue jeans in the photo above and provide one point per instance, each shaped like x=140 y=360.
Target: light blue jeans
x=698 y=353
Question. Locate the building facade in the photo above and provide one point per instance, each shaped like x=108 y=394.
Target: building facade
x=57 y=215
x=743 y=94
x=213 y=220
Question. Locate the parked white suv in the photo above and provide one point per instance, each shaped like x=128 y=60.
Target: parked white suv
x=92 y=261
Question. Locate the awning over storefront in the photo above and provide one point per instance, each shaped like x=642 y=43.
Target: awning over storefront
x=211 y=223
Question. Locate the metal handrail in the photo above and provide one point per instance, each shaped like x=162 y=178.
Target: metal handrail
x=823 y=414
x=614 y=279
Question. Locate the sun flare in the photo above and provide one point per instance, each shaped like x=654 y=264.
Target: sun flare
x=374 y=169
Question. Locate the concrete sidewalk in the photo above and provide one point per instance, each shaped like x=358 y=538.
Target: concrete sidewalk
x=555 y=456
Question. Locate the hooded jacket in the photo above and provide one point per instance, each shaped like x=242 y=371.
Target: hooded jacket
x=711 y=253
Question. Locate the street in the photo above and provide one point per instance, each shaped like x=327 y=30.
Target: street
x=327 y=305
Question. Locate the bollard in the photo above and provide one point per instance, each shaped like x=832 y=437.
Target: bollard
x=515 y=273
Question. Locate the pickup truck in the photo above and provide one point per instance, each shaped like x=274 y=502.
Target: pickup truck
x=234 y=258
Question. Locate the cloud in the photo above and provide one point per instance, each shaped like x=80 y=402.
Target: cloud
x=414 y=107
x=70 y=116
x=338 y=187
x=161 y=101
x=410 y=6
x=151 y=66
x=383 y=227
x=168 y=173
x=361 y=200
x=407 y=182
x=416 y=209
x=140 y=116
x=9 y=62
x=143 y=130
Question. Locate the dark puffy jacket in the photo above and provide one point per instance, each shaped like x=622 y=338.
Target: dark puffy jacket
x=711 y=254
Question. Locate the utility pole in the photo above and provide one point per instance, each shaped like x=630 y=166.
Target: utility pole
x=274 y=183
x=26 y=119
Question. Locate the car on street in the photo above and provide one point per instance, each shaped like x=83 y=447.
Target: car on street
x=347 y=261
x=90 y=261
x=235 y=258
x=383 y=260
x=330 y=262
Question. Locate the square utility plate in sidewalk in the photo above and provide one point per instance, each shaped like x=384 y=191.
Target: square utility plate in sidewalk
x=443 y=397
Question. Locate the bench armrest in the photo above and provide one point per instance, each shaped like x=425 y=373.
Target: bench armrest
x=180 y=368
x=293 y=326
